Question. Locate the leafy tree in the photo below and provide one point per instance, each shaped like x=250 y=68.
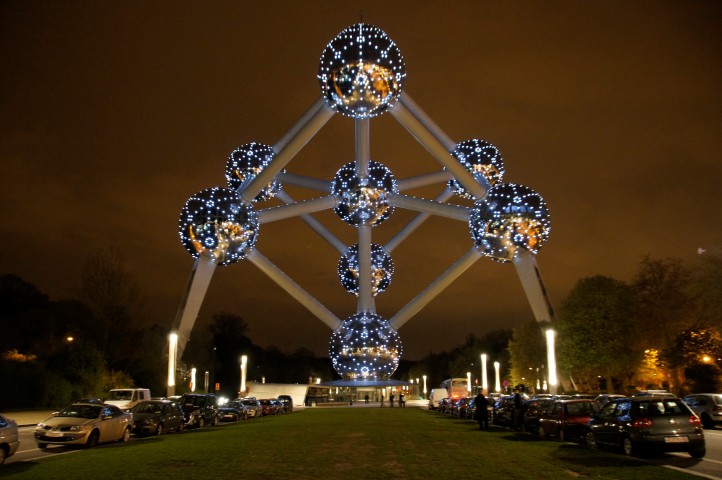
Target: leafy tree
x=708 y=289
x=595 y=328
x=527 y=349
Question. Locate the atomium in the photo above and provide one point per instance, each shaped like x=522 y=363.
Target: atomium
x=509 y=220
x=365 y=347
x=364 y=200
x=245 y=163
x=361 y=71
x=217 y=223
x=361 y=75
x=382 y=269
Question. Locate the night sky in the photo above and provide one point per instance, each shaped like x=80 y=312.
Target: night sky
x=112 y=114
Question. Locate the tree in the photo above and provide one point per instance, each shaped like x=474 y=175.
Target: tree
x=596 y=325
x=527 y=349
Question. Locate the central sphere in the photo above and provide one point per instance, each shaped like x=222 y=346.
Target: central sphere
x=361 y=71
x=365 y=347
x=364 y=200
x=382 y=268
x=216 y=222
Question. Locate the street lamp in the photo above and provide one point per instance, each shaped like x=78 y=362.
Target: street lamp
x=484 y=381
x=424 y=386
x=497 y=385
x=244 y=366
x=172 y=350
x=468 y=382
x=551 y=361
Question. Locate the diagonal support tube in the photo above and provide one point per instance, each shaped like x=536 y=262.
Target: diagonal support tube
x=415 y=223
x=303 y=131
x=294 y=289
x=436 y=287
x=423 y=180
x=455 y=212
x=300 y=208
x=317 y=226
x=413 y=119
x=305 y=182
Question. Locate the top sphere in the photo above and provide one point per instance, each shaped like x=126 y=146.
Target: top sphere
x=361 y=71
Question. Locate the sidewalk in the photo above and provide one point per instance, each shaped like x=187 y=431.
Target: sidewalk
x=28 y=418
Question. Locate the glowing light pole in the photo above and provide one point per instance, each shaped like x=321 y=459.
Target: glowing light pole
x=497 y=384
x=193 y=379
x=484 y=380
x=468 y=382
x=244 y=365
x=424 y=386
x=551 y=361
x=172 y=350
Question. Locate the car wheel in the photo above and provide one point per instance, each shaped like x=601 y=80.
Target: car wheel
x=159 y=430
x=92 y=439
x=563 y=435
x=707 y=421
x=630 y=449
x=590 y=440
x=542 y=433
x=125 y=438
x=698 y=453
x=42 y=445
x=3 y=455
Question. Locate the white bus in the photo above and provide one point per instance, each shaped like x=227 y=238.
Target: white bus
x=457 y=387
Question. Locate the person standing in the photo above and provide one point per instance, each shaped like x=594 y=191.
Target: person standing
x=481 y=414
x=391 y=399
x=402 y=400
x=518 y=411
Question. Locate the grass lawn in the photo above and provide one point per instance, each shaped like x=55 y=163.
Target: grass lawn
x=343 y=443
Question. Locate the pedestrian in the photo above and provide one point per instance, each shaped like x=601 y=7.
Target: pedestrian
x=481 y=414
x=518 y=411
x=391 y=400
x=402 y=400
x=382 y=400
x=366 y=398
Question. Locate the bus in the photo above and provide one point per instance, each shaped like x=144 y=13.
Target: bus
x=457 y=387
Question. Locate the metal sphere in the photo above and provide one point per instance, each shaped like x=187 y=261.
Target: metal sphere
x=482 y=160
x=216 y=222
x=365 y=347
x=382 y=268
x=361 y=71
x=245 y=163
x=509 y=219
x=364 y=200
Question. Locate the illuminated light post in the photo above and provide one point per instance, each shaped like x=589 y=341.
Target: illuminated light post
x=244 y=366
x=417 y=387
x=551 y=361
x=172 y=350
x=497 y=384
x=193 y=379
x=484 y=380
x=468 y=382
x=424 y=386
x=207 y=381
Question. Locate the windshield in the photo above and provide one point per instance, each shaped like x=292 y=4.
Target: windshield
x=146 y=408
x=121 y=395
x=658 y=408
x=80 y=411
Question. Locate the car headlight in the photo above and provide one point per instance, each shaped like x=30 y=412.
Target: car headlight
x=78 y=428
x=40 y=426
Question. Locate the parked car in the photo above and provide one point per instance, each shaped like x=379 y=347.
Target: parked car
x=156 y=417
x=85 y=424
x=535 y=408
x=445 y=405
x=287 y=401
x=280 y=407
x=648 y=424
x=232 y=411
x=566 y=419
x=602 y=399
x=459 y=406
x=9 y=439
x=268 y=407
x=253 y=407
x=199 y=409
x=707 y=406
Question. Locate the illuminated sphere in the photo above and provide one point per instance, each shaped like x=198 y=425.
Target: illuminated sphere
x=365 y=347
x=482 y=160
x=382 y=268
x=361 y=71
x=364 y=201
x=245 y=163
x=509 y=219
x=216 y=222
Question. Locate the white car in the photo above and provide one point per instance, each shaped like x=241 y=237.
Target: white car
x=253 y=407
x=85 y=424
x=8 y=438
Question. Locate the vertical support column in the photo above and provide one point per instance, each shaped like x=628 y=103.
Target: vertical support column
x=365 y=292
x=363 y=150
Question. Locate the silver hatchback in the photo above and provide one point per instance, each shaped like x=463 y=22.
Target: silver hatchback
x=707 y=406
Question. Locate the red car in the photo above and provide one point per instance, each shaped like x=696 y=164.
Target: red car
x=567 y=419
x=268 y=407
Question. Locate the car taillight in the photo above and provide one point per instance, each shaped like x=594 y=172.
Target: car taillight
x=717 y=408
x=694 y=420
x=642 y=423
